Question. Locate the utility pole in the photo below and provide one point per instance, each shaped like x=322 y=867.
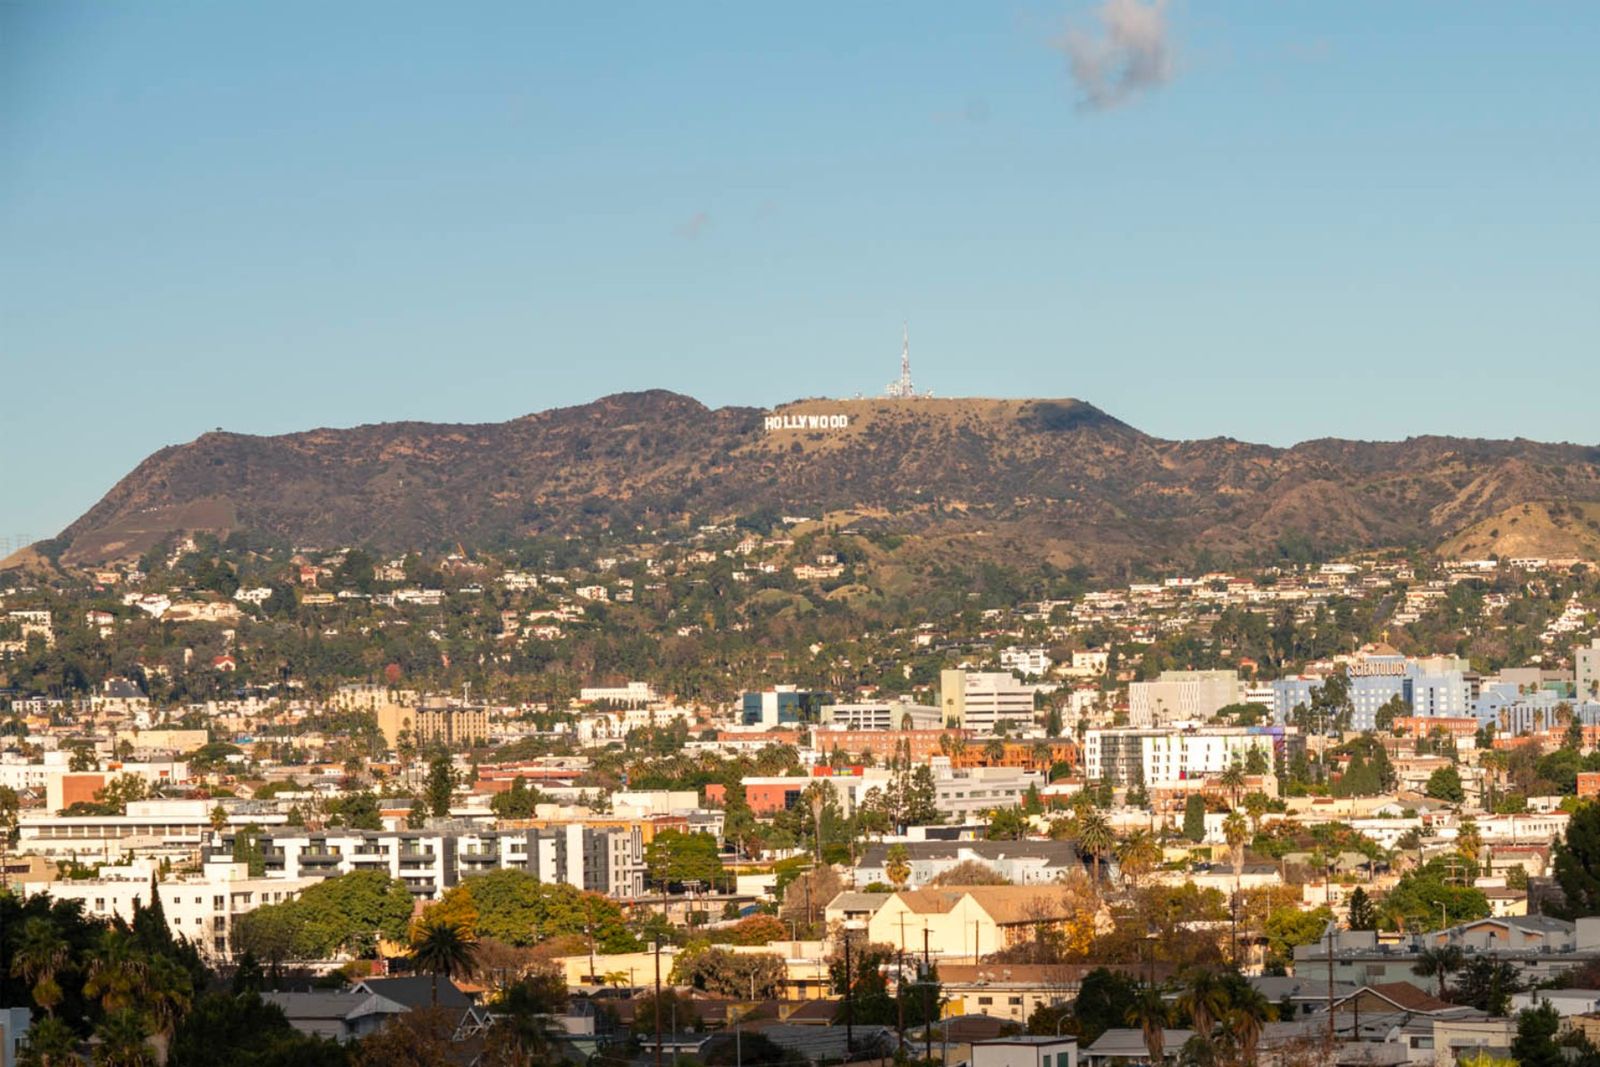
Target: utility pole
x=658 y=1001
x=849 y=1002
x=1328 y=896
x=927 y=989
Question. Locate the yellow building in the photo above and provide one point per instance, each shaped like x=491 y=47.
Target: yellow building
x=427 y=726
x=971 y=921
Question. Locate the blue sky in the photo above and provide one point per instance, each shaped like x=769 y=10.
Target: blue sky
x=1290 y=220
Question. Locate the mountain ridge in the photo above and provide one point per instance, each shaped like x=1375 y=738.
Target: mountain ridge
x=1061 y=474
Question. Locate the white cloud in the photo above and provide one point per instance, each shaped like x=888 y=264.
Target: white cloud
x=1124 y=53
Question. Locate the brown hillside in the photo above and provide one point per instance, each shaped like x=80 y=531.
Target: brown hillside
x=1028 y=480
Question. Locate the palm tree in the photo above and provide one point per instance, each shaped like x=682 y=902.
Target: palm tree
x=1137 y=854
x=1237 y=831
x=442 y=947
x=1095 y=838
x=117 y=973
x=51 y=1043
x=1255 y=806
x=1248 y=1012
x=1149 y=1012
x=123 y=1040
x=169 y=992
x=1204 y=1000
x=39 y=957
x=898 y=866
x=994 y=750
x=1440 y=960
x=1232 y=780
x=1041 y=755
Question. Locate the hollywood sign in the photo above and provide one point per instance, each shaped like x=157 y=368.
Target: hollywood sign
x=806 y=422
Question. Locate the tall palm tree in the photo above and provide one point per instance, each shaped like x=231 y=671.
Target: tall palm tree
x=442 y=947
x=1095 y=838
x=1441 y=960
x=1248 y=1011
x=1236 y=830
x=41 y=955
x=1149 y=1012
x=1232 y=780
x=117 y=972
x=994 y=750
x=1041 y=755
x=169 y=992
x=1204 y=999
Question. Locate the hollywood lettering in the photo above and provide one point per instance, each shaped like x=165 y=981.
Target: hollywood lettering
x=806 y=422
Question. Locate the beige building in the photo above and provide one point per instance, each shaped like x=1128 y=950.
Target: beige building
x=969 y=921
x=427 y=726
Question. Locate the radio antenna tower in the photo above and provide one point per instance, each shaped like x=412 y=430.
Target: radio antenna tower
x=902 y=387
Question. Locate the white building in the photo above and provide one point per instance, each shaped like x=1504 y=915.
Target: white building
x=199 y=908
x=1178 y=696
x=634 y=694
x=981 y=700
x=1026 y=661
x=882 y=715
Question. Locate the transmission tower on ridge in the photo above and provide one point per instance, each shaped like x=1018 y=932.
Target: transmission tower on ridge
x=902 y=387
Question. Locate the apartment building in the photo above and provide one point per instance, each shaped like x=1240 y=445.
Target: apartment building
x=1164 y=757
x=200 y=908
x=609 y=861
x=150 y=828
x=427 y=725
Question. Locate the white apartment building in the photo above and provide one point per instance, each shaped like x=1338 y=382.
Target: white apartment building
x=1179 y=696
x=200 y=908
x=1026 y=661
x=634 y=694
x=981 y=700
x=1163 y=757
x=151 y=828
x=601 y=860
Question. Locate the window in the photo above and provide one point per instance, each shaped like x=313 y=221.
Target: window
x=985 y=1000
x=1015 y=1000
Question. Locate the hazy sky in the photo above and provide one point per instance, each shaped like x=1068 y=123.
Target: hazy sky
x=1268 y=220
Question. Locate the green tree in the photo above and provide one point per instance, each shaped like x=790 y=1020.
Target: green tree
x=1445 y=784
x=675 y=856
x=440 y=786
x=1535 y=1044
x=1102 y=1004
x=1362 y=916
x=1577 y=863
x=1194 y=818
x=1007 y=824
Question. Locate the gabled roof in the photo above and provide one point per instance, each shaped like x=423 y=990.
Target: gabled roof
x=1130 y=1043
x=415 y=991
x=345 y=1006
x=1005 y=904
x=1401 y=996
